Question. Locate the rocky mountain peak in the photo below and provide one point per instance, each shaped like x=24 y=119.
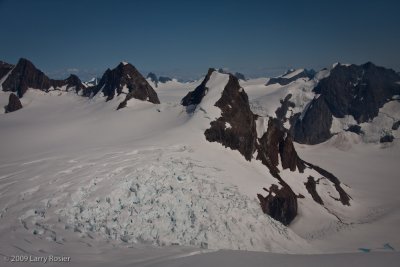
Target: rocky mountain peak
x=126 y=79
x=194 y=97
x=236 y=129
x=356 y=91
x=25 y=75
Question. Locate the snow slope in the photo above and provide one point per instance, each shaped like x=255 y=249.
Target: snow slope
x=365 y=166
x=173 y=91
x=80 y=179
x=85 y=169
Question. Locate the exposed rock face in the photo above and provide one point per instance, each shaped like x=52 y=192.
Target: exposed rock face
x=277 y=144
x=283 y=109
x=25 y=75
x=125 y=79
x=358 y=90
x=194 y=97
x=280 y=204
x=388 y=138
x=313 y=126
x=236 y=127
x=4 y=69
x=355 y=129
x=343 y=196
x=286 y=80
x=72 y=82
x=13 y=103
x=311 y=186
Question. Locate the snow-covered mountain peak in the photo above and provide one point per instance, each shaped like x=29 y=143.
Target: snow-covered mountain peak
x=222 y=107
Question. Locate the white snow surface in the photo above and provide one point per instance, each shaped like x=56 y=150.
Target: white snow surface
x=80 y=179
x=264 y=100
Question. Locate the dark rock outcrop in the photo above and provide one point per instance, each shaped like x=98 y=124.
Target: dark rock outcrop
x=309 y=74
x=283 y=109
x=387 y=138
x=313 y=126
x=126 y=76
x=236 y=129
x=359 y=91
x=311 y=186
x=234 y=104
x=72 y=82
x=194 y=97
x=4 y=69
x=396 y=125
x=277 y=144
x=13 y=103
x=355 y=129
x=25 y=75
x=344 y=198
x=280 y=204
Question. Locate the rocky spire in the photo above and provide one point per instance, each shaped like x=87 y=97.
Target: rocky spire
x=13 y=103
x=125 y=79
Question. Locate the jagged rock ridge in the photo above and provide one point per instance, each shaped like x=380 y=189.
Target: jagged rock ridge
x=194 y=97
x=25 y=75
x=359 y=91
x=287 y=78
x=236 y=129
x=125 y=79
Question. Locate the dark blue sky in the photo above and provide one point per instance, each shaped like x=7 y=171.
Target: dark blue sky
x=184 y=38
